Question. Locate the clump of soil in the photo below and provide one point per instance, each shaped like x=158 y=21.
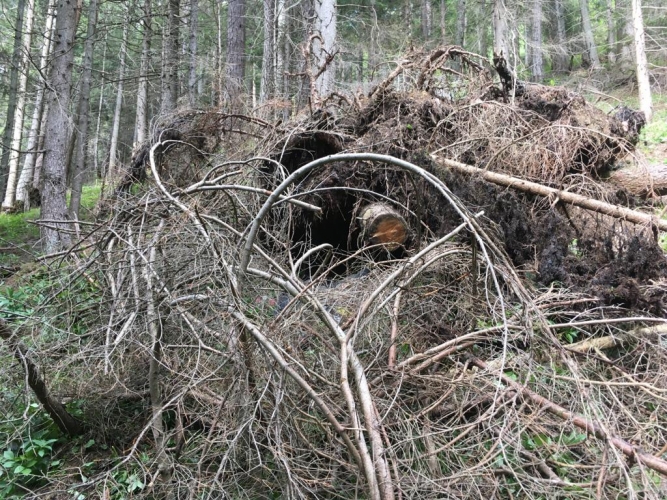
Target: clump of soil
x=546 y=134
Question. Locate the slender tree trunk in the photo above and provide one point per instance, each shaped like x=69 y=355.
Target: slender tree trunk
x=39 y=159
x=627 y=55
x=192 y=77
x=426 y=20
x=611 y=32
x=13 y=91
x=588 y=35
x=141 y=123
x=17 y=133
x=325 y=25
x=281 y=49
x=235 y=50
x=268 y=54
x=483 y=28
x=536 y=69
x=170 y=58
x=527 y=38
x=115 y=130
x=218 y=85
x=27 y=172
x=643 y=82
x=443 y=24
x=83 y=110
x=560 y=57
x=54 y=207
x=460 y=23
x=500 y=44
x=100 y=170
x=373 y=41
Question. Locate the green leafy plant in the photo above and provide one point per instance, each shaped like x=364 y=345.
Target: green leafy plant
x=29 y=457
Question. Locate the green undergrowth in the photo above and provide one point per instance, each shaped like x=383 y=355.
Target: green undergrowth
x=19 y=235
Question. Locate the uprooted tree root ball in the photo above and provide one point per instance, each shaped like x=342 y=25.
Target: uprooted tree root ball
x=243 y=335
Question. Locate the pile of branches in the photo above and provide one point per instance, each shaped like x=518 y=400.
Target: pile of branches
x=242 y=339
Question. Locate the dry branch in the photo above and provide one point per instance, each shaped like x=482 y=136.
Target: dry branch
x=555 y=194
x=633 y=453
x=56 y=410
x=619 y=339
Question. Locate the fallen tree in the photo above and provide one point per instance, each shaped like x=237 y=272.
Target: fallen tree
x=387 y=298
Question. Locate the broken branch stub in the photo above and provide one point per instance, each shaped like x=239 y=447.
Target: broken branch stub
x=382 y=225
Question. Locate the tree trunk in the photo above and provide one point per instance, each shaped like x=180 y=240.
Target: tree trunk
x=325 y=25
x=235 y=50
x=192 y=77
x=588 y=35
x=13 y=91
x=170 y=59
x=281 y=49
x=27 y=172
x=536 y=69
x=141 y=122
x=54 y=207
x=100 y=170
x=627 y=43
x=373 y=42
x=115 y=130
x=560 y=64
x=382 y=225
x=39 y=159
x=426 y=20
x=56 y=410
x=17 y=133
x=483 y=29
x=645 y=100
x=611 y=32
x=83 y=113
x=268 y=54
x=460 y=23
x=500 y=45
x=443 y=18
x=642 y=181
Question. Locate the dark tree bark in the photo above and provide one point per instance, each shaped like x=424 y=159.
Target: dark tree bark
x=460 y=23
x=141 y=126
x=536 y=64
x=170 y=58
x=54 y=206
x=192 y=76
x=83 y=112
x=560 y=63
x=56 y=410
x=235 y=49
x=427 y=23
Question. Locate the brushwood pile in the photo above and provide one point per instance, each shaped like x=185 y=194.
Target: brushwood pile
x=243 y=338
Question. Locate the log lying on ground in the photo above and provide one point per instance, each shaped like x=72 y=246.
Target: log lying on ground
x=642 y=181
x=556 y=194
x=611 y=341
x=382 y=225
x=56 y=410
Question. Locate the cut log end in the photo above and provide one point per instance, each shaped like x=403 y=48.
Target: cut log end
x=382 y=225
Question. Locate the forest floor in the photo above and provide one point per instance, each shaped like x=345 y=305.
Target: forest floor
x=19 y=235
